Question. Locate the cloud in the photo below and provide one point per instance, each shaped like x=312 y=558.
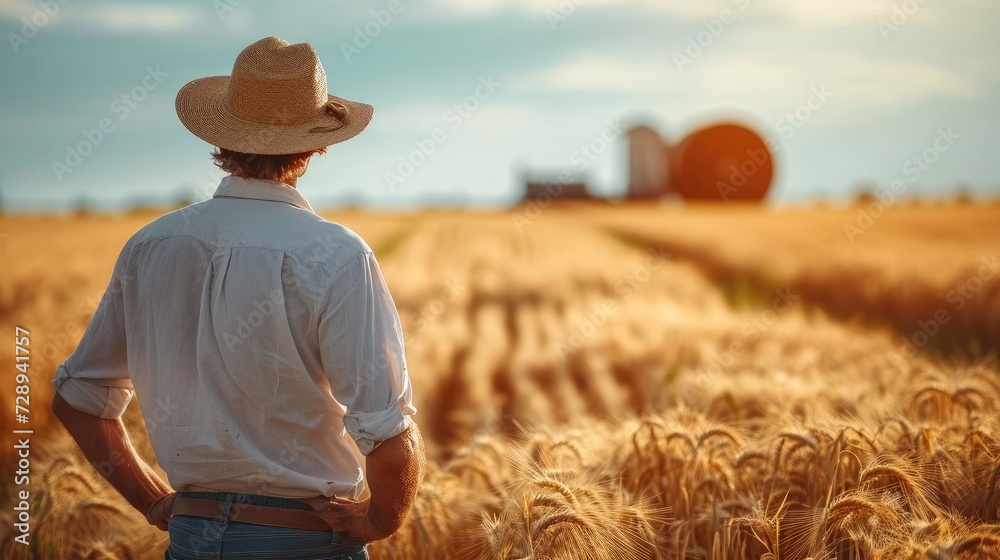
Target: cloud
x=538 y=9
x=826 y=13
x=17 y=9
x=138 y=18
x=857 y=79
x=493 y=118
x=598 y=73
x=801 y=12
x=109 y=16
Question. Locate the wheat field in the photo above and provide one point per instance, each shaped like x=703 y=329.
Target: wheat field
x=621 y=382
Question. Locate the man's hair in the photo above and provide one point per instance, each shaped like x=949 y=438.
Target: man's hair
x=284 y=168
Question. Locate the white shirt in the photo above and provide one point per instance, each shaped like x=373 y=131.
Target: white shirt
x=253 y=333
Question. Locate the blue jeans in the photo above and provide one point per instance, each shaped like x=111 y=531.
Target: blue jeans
x=199 y=538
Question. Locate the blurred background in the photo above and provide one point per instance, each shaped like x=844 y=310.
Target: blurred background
x=655 y=377
x=845 y=92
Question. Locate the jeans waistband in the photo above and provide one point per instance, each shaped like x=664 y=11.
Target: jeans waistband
x=254 y=499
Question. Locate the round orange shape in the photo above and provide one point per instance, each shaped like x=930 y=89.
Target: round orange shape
x=722 y=162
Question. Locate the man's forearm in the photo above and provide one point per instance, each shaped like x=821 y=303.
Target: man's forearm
x=394 y=470
x=109 y=450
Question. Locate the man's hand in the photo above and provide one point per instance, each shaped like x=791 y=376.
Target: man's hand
x=345 y=516
x=159 y=512
x=395 y=469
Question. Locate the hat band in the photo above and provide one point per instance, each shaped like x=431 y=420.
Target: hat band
x=336 y=110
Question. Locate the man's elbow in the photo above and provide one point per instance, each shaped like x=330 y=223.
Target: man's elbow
x=60 y=408
x=396 y=468
x=70 y=417
x=413 y=456
x=386 y=530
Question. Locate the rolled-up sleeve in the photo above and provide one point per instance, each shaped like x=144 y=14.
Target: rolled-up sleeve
x=95 y=378
x=361 y=347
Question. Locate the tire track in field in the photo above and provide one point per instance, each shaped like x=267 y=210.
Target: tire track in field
x=968 y=337
x=565 y=322
x=501 y=326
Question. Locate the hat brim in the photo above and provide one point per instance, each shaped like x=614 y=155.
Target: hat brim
x=202 y=109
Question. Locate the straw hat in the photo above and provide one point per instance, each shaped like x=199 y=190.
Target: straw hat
x=275 y=102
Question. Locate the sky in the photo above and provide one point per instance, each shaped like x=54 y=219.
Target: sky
x=469 y=95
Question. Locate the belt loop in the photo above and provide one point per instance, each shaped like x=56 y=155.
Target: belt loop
x=226 y=505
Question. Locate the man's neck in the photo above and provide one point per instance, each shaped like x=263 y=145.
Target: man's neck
x=293 y=182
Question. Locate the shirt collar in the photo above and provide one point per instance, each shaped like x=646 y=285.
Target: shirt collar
x=261 y=189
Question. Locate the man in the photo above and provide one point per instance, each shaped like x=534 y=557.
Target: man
x=254 y=333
